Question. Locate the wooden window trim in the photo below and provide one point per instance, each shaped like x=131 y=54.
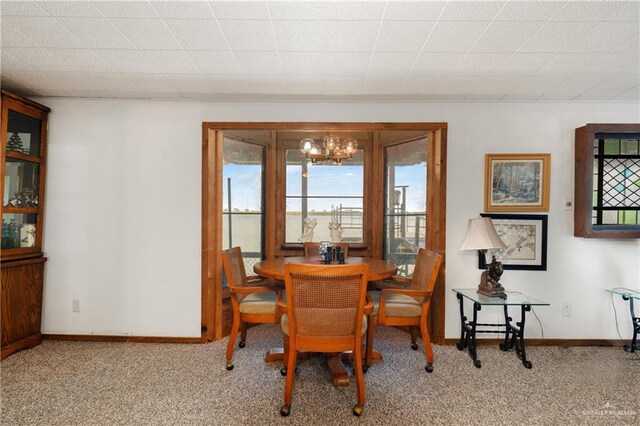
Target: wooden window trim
x=212 y=292
x=583 y=185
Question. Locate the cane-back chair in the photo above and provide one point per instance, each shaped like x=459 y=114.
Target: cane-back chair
x=407 y=306
x=251 y=299
x=325 y=313
x=313 y=249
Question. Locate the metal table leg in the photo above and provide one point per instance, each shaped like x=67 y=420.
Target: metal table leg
x=468 y=331
x=514 y=336
x=635 y=321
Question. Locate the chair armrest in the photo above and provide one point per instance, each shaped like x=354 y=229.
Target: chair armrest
x=249 y=290
x=281 y=304
x=395 y=282
x=368 y=307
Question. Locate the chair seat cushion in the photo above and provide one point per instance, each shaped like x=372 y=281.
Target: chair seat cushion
x=284 y=323
x=263 y=303
x=396 y=305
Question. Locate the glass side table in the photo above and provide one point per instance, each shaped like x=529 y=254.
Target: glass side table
x=513 y=334
x=630 y=295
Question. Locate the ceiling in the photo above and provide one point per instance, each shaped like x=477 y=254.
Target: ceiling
x=323 y=50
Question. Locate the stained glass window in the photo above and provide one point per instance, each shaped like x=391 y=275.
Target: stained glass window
x=616 y=183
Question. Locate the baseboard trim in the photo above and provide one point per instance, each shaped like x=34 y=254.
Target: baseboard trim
x=550 y=342
x=132 y=339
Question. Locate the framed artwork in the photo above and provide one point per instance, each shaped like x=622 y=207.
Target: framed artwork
x=516 y=182
x=526 y=238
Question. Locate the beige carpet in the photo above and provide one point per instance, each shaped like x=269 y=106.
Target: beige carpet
x=80 y=383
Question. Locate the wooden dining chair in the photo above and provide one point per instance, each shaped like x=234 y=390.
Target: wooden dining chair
x=251 y=299
x=313 y=249
x=325 y=313
x=407 y=306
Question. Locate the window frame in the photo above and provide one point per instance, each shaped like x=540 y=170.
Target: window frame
x=584 y=180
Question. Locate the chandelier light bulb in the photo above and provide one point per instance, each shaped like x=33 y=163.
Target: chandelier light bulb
x=307 y=145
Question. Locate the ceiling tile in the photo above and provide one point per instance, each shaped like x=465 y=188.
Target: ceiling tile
x=533 y=88
x=423 y=84
x=22 y=8
x=614 y=64
x=606 y=37
x=631 y=46
x=333 y=10
x=266 y=84
x=111 y=94
x=593 y=11
x=70 y=8
x=454 y=36
x=9 y=63
x=392 y=63
x=39 y=81
x=497 y=86
x=572 y=88
x=170 y=61
x=436 y=63
x=630 y=11
x=126 y=9
x=188 y=83
x=529 y=10
x=209 y=62
x=631 y=95
x=130 y=61
x=97 y=33
x=525 y=63
x=471 y=10
x=413 y=10
x=147 y=33
x=556 y=36
x=505 y=36
x=402 y=36
x=569 y=63
x=480 y=63
x=240 y=10
x=46 y=31
x=233 y=83
x=323 y=84
x=332 y=63
x=59 y=93
x=198 y=34
x=604 y=91
x=249 y=35
x=381 y=85
x=11 y=37
x=459 y=85
x=325 y=36
x=85 y=60
x=147 y=82
x=37 y=59
x=265 y=63
x=183 y=9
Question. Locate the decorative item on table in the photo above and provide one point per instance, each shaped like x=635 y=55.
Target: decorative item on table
x=482 y=236
x=332 y=149
x=307 y=235
x=28 y=235
x=335 y=228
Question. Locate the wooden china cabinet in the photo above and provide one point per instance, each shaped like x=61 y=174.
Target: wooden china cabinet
x=22 y=163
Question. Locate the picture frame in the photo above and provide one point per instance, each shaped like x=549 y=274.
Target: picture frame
x=526 y=239
x=517 y=182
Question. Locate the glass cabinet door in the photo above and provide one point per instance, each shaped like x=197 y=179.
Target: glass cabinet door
x=22 y=165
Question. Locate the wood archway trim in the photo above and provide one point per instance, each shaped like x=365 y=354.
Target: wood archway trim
x=212 y=292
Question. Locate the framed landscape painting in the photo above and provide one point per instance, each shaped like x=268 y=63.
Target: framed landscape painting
x=526 y=238
x=516 y=182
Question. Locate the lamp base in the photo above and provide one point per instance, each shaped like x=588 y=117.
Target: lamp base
x=490 y=289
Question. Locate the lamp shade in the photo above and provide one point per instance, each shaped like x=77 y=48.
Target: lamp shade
x=482 y=235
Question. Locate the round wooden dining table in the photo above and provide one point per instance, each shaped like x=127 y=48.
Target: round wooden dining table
x=274 y=268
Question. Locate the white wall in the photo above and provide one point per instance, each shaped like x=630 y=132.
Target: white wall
x=124 y=194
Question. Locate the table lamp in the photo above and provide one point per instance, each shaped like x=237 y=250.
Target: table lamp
x=482 y=236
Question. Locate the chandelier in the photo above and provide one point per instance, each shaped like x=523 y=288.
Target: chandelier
x=332 y=149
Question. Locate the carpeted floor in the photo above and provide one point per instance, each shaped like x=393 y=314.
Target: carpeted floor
x=81 y=383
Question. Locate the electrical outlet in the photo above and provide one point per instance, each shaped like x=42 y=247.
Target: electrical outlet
x=76 y=305
x=566 y=309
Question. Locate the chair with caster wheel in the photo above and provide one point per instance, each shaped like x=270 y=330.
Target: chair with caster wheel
x=407 y=306
x=253 y=301
x=324 y=313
